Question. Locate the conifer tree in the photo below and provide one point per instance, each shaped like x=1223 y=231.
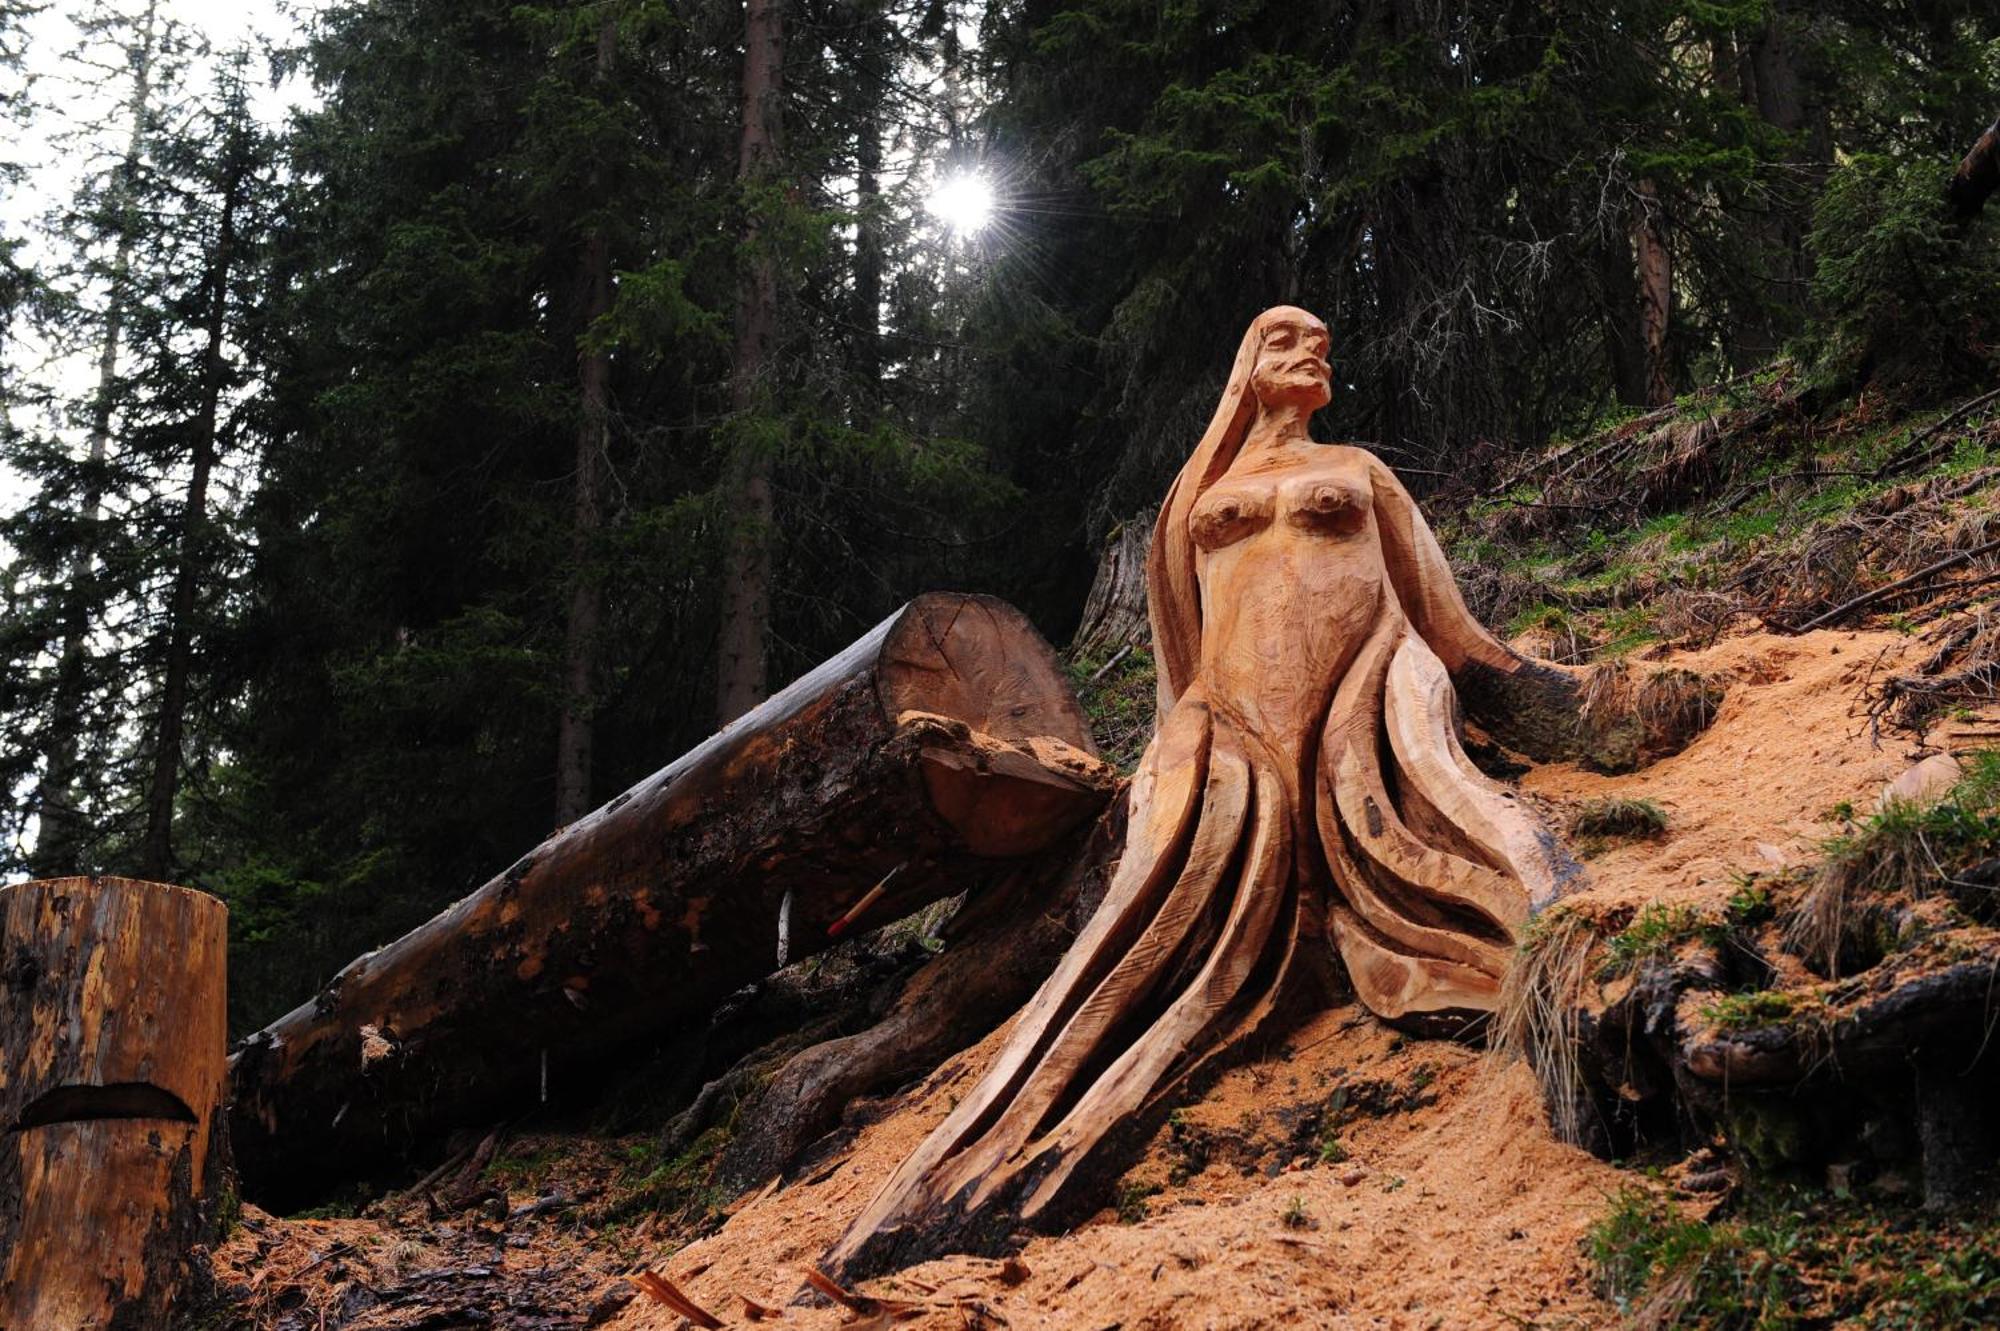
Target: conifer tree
x=66 y=716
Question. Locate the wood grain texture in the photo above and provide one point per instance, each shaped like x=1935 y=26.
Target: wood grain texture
x=112 y=1039
x=943 y=746
x=1305 y=785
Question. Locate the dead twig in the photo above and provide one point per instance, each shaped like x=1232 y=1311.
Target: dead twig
x=1909 y=454
x=1869 y=598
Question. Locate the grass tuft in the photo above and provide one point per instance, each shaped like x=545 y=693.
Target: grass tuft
x=1635 y=819
x=1655 y=933
x=1794 y=1259
x=1537 y=1019
x=1908 y=849
x=1662 y=1269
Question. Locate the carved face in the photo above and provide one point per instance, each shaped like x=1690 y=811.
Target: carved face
x=1291 y=364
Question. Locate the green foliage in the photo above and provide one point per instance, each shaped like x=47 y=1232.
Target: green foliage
x=1119 y=703
x=1795 y=1259
x=1296 y=1215
x=1657 y=1265
x=1908 y=846
x=1907 y=849
x=1657 y=932
x=1131 y=1202
x=1763 y=1007
x=1749 y=905
x=682 y=1189
x=1900 y=290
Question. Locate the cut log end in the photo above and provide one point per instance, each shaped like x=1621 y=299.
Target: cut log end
x=978 y=660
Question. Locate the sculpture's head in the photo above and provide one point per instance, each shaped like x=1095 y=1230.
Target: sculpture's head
x=1291 y=367
x=1281 y=361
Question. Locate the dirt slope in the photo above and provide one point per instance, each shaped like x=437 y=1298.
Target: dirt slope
x=1352 y=1178
x=1452 y=1206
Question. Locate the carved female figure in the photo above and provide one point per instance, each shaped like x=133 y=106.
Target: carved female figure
x=1305 y=781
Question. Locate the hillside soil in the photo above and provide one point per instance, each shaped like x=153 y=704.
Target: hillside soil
x=1347 y=1177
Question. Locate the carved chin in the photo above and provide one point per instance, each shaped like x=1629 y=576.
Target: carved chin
x=1294 y=390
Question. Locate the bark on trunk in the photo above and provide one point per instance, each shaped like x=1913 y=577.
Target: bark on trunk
x=112 y=1153
x=156 y=851
x=576 y=728
x=742 y=671
x=1114 y=615
x=933 y=754
x=60 y=832
x=1656 y=293
x=1624 y=335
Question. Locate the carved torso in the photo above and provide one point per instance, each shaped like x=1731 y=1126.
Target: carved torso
x=1290 y=567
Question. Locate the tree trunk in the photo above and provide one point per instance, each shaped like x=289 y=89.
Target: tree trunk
x=1114 y=615
x=1775 y=85
x=870 y=259
x=576 y=729
x=156 y=850
x=1978 y=175
x=1656 y=293
x=60 y=832
x=741 y=670
x=1624 y=332
x=112 y=1153
x=927 y=759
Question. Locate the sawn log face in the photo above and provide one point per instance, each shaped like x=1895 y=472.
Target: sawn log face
x=654 y=908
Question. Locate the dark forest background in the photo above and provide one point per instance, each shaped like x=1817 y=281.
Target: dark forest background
x=561 y=381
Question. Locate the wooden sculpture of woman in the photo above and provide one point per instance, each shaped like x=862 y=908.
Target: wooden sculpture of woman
x=1305 y=781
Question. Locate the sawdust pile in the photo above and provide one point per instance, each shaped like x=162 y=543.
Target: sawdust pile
x=1349 y=1178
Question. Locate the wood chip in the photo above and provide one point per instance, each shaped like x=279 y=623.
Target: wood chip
x=657 y=1287
x=861 y=1305
x=758 y=1312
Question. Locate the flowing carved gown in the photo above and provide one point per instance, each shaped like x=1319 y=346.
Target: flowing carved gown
x=1305 y=780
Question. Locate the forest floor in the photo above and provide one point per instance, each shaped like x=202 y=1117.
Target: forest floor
x=1350 y=1177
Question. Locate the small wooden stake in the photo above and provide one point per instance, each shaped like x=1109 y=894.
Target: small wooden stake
x=859 y=908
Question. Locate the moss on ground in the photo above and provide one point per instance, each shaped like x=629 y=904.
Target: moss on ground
x=1796 y=1258
x=1118 y=699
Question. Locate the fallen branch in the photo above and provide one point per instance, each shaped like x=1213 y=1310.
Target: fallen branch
x=1904 y=456
x=1880 y=593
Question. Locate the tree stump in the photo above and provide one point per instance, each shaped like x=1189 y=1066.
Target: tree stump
x=112 y=1039
x=929 y=758
x=1114 y=615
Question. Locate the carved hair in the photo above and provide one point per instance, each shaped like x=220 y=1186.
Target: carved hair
x=1173 y=596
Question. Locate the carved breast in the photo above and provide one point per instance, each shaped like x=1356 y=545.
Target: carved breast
x=1227 y=514
x=1330 y=505
x=1320 y=501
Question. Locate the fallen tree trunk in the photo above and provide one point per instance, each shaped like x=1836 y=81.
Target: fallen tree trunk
x=999 y=949
x=928 y=758
x=112 y=1154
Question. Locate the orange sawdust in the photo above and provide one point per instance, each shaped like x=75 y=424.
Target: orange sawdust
x=1756 y=791
x=1349 y=1177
